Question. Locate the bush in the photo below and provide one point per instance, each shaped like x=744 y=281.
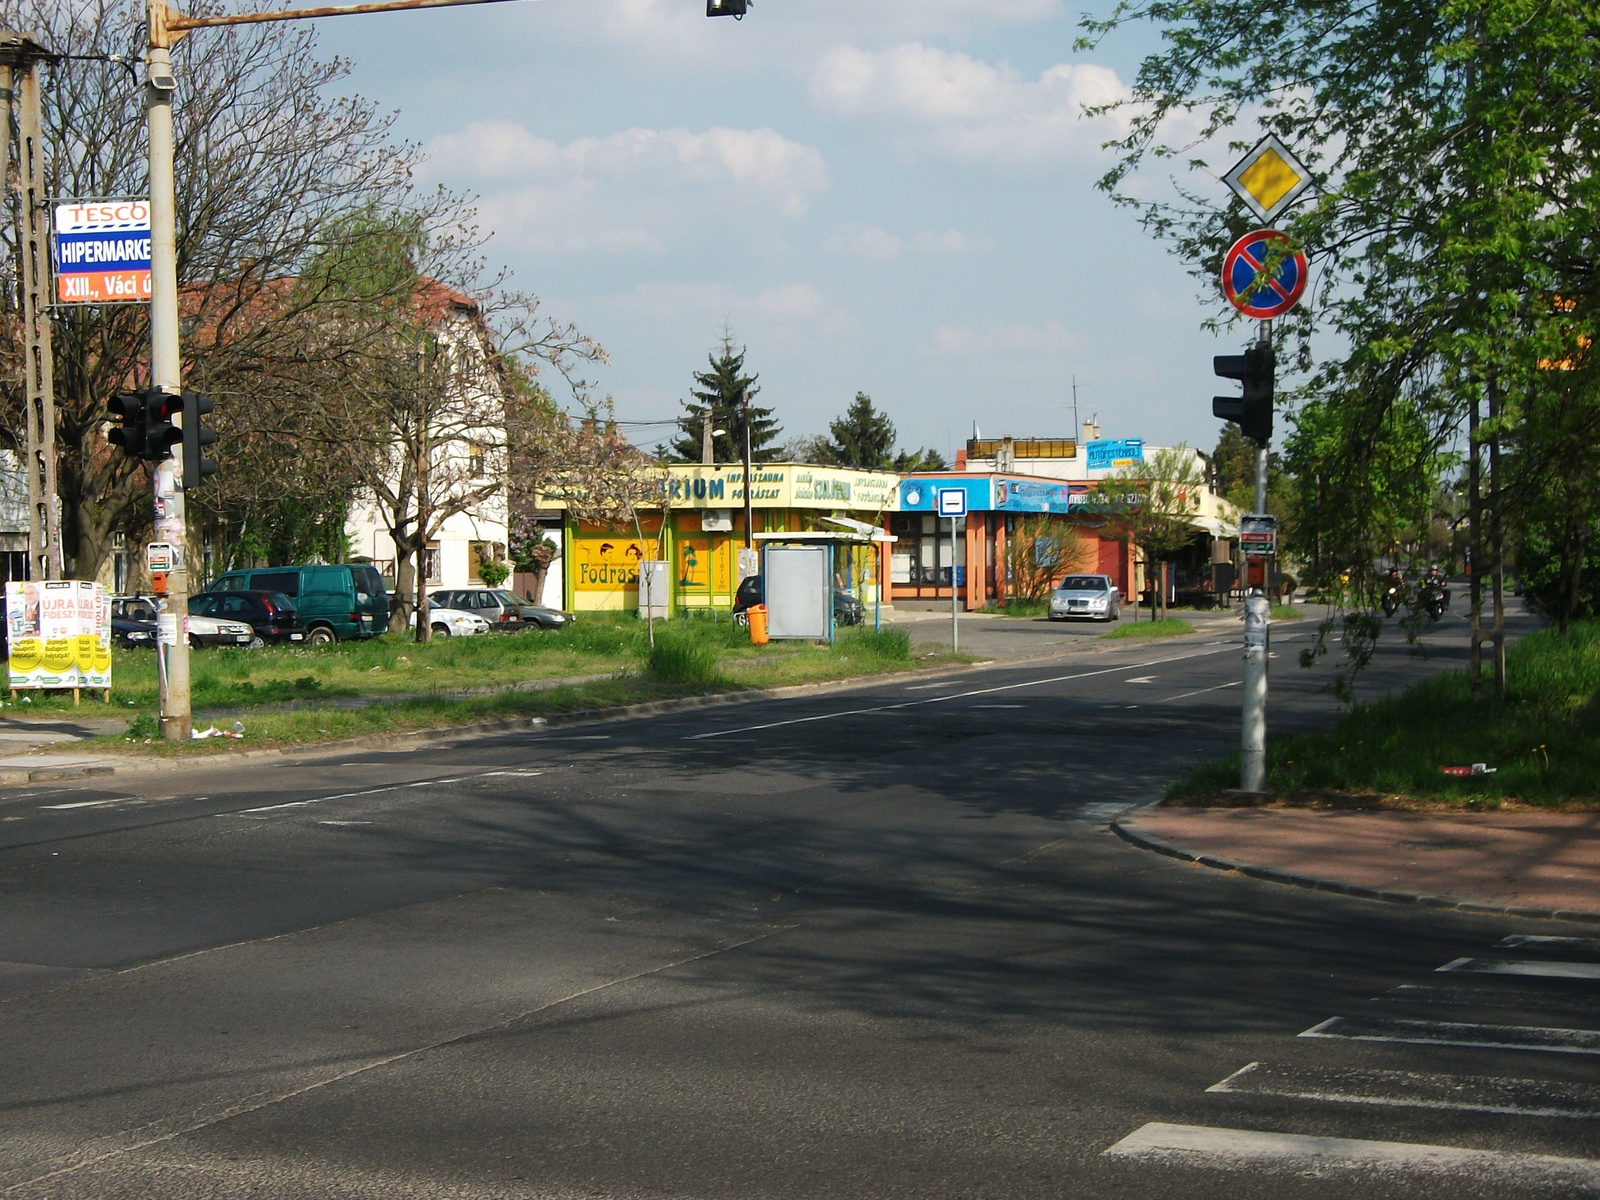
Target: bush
x=679 y=659
x=493 y=574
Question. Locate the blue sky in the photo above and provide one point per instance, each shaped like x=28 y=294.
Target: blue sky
x=893 y=196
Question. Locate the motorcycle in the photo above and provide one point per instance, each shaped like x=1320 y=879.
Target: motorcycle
x=1392 y=599
x=1435 y=599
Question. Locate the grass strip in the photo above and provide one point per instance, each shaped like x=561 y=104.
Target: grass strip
x=1543 y=740
x=1167 y=627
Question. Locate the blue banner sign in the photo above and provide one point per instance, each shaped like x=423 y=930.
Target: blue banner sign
x=1124 y=452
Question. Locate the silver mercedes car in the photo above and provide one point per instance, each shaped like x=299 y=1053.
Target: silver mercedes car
x=1092 y=596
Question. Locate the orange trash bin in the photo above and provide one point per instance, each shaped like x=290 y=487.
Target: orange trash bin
x=757 y=613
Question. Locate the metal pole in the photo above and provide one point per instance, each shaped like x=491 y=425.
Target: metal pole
x=749 y=486
x=44 y=518
x=1257 y=622
x=166 y=374
x=955 y=625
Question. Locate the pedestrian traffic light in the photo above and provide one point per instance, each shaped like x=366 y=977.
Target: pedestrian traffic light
x=129 y=408
x=196 y=437
x=1256 y=369
x=727 y=8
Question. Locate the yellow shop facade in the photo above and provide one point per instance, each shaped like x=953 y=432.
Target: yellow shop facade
x=698 y=528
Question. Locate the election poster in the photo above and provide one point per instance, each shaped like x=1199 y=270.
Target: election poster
x=58 y=634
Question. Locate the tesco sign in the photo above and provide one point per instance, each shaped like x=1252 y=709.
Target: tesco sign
x=101 y=251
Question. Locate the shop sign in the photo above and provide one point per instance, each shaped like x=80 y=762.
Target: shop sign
x=605 y=564
x=1122 y=452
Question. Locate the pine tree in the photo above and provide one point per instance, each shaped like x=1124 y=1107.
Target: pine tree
x=863 y=438
x=719 y=392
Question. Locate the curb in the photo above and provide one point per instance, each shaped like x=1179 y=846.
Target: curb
x=1159 y=845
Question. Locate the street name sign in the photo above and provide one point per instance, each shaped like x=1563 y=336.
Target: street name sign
x=101 y=250
x=1269 y=178
x=158 y=556
x=1262 y=275
x=952 y=502
x=1258 y=533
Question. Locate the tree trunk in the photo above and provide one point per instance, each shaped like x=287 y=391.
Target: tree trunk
x=1497 y=540
x=1475 y=543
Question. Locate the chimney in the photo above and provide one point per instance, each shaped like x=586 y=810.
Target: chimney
x=1091 y=431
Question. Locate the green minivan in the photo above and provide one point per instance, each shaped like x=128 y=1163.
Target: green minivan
x=337 y=602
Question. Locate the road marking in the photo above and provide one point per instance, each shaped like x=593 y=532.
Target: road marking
x=1199 y=692
x=1143 y=679
x=344 y=822
x=518 y=774
x=925 y=687
x=318 y=800
x=89 y=803
x=1515 y=999
x=1454 y=1033
x=1416 y=1089
x=1591 y=945
x=1524 y=966
x=1231 y=1149
x=1104 y=810
x=988 y=691
x=997 y=706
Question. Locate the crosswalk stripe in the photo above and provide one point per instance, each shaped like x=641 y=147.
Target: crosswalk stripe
x=1416 y=1089
x=1452 y=1033
x=1490 y=996
x=1208 y=1146
x=1524 y=966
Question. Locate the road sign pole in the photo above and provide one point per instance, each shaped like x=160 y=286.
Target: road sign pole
x=1257 y=648
x=955 y=623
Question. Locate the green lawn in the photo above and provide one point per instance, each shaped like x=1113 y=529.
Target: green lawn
x=1543 y=739
x=693 y=656
x=1168 y=627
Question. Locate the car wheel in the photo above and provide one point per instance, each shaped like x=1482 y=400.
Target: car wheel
x=321 y=636
x=742 y=620
x=440 y=630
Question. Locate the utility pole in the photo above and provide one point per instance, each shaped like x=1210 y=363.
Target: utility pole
x=749 y=530
x=21 y=56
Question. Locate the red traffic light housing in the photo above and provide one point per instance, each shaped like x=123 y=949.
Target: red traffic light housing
x=727 y=8
x=1256 y=369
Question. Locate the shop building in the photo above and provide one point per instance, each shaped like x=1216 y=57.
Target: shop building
x=698 y=528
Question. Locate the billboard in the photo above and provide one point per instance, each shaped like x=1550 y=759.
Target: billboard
x=101 y=251
x=1122 y=452
x=59 y=634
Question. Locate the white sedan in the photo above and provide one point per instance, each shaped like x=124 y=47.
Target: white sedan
x=212 y=631
x=452 y=622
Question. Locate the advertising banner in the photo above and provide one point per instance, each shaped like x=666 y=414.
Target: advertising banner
x=59 y=634
x=1122 y=452
x=101 y=250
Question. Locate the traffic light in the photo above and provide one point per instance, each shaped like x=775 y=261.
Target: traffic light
x=129 y=408
x=161 y=435
x=1256 y=368
x=196 y=437
x=727 y=8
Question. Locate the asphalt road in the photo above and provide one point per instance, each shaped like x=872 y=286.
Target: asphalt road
x=865 y=943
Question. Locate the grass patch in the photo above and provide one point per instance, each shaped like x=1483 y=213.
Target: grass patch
x=1168 y=627
x=679 y=659
x=1288 y=612
x=1018 y=608
x=1543 y=739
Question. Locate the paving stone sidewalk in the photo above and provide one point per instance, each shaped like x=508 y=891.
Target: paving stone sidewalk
x=1528 y=860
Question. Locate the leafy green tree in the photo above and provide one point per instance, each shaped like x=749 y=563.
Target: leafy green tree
x=722 y=392
x=1154 y=504
x=925 y=459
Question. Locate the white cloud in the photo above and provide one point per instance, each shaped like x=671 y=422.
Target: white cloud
x=637 y=190
x=953 y=104
x=796 y=309
x=951 y=241
x=879 y=245
x=1050 y=338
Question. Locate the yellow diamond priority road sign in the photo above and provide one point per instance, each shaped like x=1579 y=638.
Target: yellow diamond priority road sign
x=1269 y=178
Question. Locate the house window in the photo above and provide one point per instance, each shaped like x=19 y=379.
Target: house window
x=430 y=562
x=477 y=554
x=475 y=460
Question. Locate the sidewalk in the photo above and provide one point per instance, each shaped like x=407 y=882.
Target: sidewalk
x=1532 y=863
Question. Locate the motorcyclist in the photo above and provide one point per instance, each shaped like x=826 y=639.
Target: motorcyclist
x=1435 y=586
x=1394 y=590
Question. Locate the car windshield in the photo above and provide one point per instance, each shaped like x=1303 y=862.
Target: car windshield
x=135 y=610
x=1083 y=583
x=507 y=598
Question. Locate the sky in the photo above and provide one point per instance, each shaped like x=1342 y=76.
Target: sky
x=888 y=196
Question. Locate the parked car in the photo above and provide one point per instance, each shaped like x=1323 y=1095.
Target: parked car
x=847 y=610
x=335 y=602
x=452 y=622
x=133 y=622
x=1092 y=596
x=270 y=614
x=502 y=609
x=218 y=631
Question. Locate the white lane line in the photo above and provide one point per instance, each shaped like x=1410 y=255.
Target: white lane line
x=928 y=687
x=517 y=774
x=1416 y=1089
x=1458 y=1033
x=1200 y=692
x=1142 y=679
x=997 y=706
x=1233 y=1149
x=318 y=800
x=89 y=803
x=988 y=691
x=1543 y=940
x=1524 y=966
x=344 y=822
x=1520 y=1000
